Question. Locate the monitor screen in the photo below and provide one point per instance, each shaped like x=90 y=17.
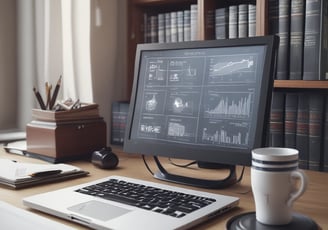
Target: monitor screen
x=202 y=100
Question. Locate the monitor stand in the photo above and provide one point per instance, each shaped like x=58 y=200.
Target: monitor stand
x=231 y=179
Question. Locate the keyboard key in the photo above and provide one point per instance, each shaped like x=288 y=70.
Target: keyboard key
x=158 y=200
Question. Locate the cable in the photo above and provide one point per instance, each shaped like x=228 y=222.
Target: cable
x=182 y=166
x=147 y=166
x=241 y=175
x=186 y=166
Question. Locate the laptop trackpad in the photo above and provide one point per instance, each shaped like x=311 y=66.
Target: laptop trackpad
x=98 y=210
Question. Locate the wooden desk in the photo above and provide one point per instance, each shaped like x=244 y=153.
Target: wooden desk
x=314 y=203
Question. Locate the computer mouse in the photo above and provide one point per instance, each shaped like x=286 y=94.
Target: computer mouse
x=104 y=158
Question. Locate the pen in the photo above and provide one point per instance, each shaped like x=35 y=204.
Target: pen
x=46 y=173
x=39 y=98
x=54 y=95
x=48 y=93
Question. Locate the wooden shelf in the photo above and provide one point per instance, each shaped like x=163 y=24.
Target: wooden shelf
x=137 y=9
x=300 y=84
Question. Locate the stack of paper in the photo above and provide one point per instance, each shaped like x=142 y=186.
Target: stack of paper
x=19 y=175
x=85 y=112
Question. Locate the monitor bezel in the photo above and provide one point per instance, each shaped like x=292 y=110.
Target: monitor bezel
x=217 y=154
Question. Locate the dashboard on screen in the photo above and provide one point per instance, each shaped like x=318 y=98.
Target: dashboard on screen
x=203 y=100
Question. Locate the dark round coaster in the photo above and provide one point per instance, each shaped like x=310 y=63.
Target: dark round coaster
x=247 y=221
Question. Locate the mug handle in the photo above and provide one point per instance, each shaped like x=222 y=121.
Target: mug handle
x=298 y=174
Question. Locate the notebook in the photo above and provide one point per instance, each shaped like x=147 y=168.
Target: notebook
x=21 y=175
x=81 y=205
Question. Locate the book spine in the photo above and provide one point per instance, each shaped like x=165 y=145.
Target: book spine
x=325 y=137
x=168 y=27
x=186 y=25
x=221 y=23
x=161 y=28
x=315 y=40
x=174 y=27
x=279 y=21
x=124 y=110
x=273 y=14
x=290 y=120
x=209 y=24
x=284 y=32
x=146 y=28
x=324 y=42
x=115 y=129
x=180 y=25
x=276 y=123
x=242 y=20
x=251 y=20
x=302 y=131
x=296 y=40
x=316 y=104
x=119 y=119
x=153 y=29
x=233 y=21
x=193 y=22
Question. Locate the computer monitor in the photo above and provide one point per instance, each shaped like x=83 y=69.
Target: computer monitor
x=207 y=101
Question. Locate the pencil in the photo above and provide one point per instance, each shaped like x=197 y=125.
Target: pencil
x=54 y=95
x=48 y=93
x=39 y=98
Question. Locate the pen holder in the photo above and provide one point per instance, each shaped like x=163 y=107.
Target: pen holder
x=65 y=140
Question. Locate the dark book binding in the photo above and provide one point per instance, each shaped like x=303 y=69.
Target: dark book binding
x=120 y=111
x=153 y=29
x=290 y=120
x=296 y=40
x=325 y=137
x=302 y=130
x=316 y=40
x=279 y=22
x=276 y=123
x=316 y=104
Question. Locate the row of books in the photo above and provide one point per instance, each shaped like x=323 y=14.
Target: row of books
x=300 y=120
x=235 y=21
x=300 y=24
x=174 y=26
x=303 y=31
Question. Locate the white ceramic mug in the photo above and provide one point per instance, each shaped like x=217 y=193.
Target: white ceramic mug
x=274 y=176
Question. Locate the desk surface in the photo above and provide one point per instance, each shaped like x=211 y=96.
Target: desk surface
x=314 y=203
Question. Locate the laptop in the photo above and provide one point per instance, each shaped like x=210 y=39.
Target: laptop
x=84 y=204
x=14 y=218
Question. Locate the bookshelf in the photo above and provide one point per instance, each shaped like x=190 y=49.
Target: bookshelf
x=137 y=9
x=300 y=84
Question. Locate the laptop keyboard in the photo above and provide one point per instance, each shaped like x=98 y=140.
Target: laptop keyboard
x=159 y=200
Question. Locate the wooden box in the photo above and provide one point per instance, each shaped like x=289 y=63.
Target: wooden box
x=65 y=140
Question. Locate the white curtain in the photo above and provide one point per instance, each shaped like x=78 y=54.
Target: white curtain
x=82 y=40
x=54 y=40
